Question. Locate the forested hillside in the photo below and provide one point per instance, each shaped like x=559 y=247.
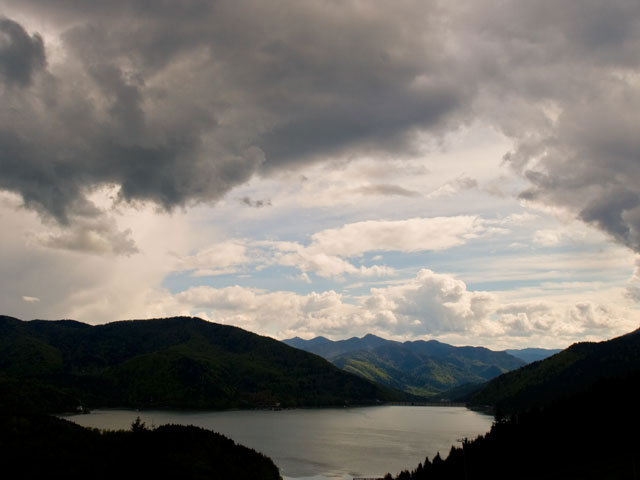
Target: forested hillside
x=569 y=371
x=41 y=446
x=425 y=368
x=180 y=362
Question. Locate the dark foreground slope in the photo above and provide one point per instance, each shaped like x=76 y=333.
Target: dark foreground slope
x=571 y=371
x=40 y=446
x=178 y=362
x=588 y=435
x=421 y=368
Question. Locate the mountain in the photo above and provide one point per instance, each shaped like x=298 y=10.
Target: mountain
x=298 y=342
x=179 y=362
x=41 y=446
x=591 y=434
x=330 y=349
x=572 y=370
x=424 y=368
x=531 y=355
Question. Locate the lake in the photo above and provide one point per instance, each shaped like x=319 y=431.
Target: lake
x=323 y=444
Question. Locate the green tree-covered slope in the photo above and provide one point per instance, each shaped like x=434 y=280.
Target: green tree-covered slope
x=572 y=370
x=428 y=369
x=178 y=362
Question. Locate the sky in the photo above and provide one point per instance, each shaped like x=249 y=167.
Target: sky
x=461 y=171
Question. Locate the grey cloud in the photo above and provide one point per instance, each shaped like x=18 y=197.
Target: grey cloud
x=255 y=203
x=632 y=292
x=564 y=82
x=591 y=164
x=386 y=189
x=98 y=235
x=466 y=183
x=21 y=55
x=178 y=102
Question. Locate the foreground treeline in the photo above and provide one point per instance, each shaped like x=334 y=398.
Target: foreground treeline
x=593 y=434
x=34 y=446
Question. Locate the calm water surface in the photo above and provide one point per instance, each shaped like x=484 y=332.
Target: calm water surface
x=325 y=443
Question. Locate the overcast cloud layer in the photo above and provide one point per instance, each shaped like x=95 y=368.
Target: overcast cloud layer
x=175 y=104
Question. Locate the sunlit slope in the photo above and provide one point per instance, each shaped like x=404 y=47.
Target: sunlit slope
x=178 y=362
x=427 y=368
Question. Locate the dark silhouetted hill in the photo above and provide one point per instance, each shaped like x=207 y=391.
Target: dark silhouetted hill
x=570 y=371
x=40 y=446
x=588 y=435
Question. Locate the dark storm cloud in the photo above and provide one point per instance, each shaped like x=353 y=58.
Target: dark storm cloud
x=576 y=134
x=178 y=102
x=21 y=55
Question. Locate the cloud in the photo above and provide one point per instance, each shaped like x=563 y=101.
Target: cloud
x=217 y=259
x=385 y=189
x=176 y=116
x=96 y=235
x=459 y=184
x=29 y=299
x=314 y=260
x=411 y=235
x=21 y=55
x=255 y=203
x=328 y=253
x=430 y=304
x=568 y=83
x=547 y=238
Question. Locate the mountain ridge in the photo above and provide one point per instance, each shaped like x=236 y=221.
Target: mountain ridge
x=572 y=370
x=427 y=368
x=176 y=362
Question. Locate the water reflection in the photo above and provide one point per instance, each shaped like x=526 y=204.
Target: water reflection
x=322 y=444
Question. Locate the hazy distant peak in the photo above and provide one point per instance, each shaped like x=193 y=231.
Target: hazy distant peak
x=372 y=336
x=530 y=355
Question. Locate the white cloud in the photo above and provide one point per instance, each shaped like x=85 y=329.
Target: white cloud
x=450 y=188
x=547 y=238
x=217 y=259
x=29 y=299
x=411 y=235
x=327 y=266
x=430 y=305
x=328 y=253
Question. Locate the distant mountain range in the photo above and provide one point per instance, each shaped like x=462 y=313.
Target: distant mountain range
x=572 y=370
x=180 y=362
x=425 y=368
x=531 y=355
